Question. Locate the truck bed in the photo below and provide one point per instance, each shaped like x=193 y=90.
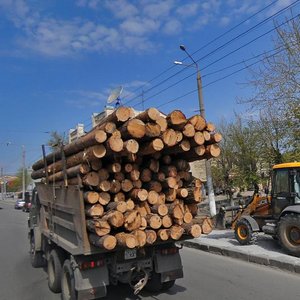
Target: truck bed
x=63 y=219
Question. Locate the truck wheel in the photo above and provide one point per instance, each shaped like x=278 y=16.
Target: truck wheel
x=167 y=285
x=55 y=262
x=36 y=257
x=289 y=233
x=68 y=291
x=154 y=284
x=244 y=233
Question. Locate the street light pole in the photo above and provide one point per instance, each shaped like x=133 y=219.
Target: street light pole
x=23 y=173
x=211 y=195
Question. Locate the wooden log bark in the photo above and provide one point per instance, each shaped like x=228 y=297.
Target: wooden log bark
x=213 y=150
x=152 y=130
x=139 y=194
x=149 y=115
x=141 y=237
x=144 y=209
x=163 y=234
x=166 y=221
x=91 y=179
x=146 y=175
x=126 y=240
x=188 y=130
x=107 y=242
x=95 y=210
x=130 y=147
x=103 y=174
x=133 y=128
x=104 y=185
x=192 y=229
x=176 y=232
x=154 y=221
x=115 y=186
x=126 y=185
x=104 y=198
x=143 y=223
x=152 y=197
x=176 y=119
x=198 y=122
x=119 y=176
x=129 y=205
x=160 y=209
x=150 y=236
x=96 y=164
x=151 y=147
x=98 y=226
x=163 y=124
x=114 y=144
x=118 y=206
x=114 y=218
x=169 y=137
x=134 y=175
x=91 y=197
x=132 y=220
x=114 y=167
x=119 y=197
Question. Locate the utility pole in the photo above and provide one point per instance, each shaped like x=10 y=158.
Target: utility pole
x=2 y=181
x=209 y=183
x=23 y=173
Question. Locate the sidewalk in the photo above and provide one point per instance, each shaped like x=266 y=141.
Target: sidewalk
x=266 y=251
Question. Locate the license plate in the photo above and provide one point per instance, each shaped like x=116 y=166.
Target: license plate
x=130 y=253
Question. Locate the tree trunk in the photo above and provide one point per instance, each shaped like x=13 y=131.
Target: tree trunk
x=95 y=210
x=107 y=242
x=126 y=240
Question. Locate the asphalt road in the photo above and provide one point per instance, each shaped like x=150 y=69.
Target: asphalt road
x=207 y=276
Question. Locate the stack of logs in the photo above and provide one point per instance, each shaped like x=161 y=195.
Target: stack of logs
x=134 y=172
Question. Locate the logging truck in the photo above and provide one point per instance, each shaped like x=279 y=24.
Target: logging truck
x=110 y=206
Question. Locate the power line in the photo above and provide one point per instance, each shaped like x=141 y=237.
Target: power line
x=221 y=78
x=206 y=45
x=219 y=59
x=219 y=48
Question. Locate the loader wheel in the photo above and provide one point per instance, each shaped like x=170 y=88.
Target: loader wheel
x=244 y=233
x=68 y=291
x=36 y=257
x=289 y=233
x=55 y=263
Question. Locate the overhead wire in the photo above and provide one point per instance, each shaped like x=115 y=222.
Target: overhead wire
x=220 y=47
x=206 y=45
x=219 y=59
x=223 y=77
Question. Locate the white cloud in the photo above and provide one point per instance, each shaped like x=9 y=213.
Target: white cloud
x=224 y=21
x=139 y=26
x=118 y=25
x=121 y=8
x=172 y=27
x=188 y=10
x=158 y=9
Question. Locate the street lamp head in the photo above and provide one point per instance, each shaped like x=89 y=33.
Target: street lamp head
x=182 y=47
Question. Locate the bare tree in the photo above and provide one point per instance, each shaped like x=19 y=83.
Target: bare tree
x=276 y=85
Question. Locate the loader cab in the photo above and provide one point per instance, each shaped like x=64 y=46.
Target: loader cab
x=285 y=187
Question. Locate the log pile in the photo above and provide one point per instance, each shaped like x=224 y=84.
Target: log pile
x=134 y=173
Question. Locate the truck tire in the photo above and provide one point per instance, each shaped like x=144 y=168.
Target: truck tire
x=244 y=233
x=154 y=284
x=36 y=257
x=68 y=291
x=289 y=233
x=55 y=262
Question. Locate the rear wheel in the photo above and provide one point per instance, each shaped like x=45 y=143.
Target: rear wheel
x=55 y=263
x=244 y=233
x=68 y=291
x=289 y=233
x=36 y=257
x=154 y=284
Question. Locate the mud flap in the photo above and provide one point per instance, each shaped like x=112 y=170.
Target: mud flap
x=169 y=266
x=91 y=284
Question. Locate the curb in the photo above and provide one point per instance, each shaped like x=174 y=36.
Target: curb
x=281 y=264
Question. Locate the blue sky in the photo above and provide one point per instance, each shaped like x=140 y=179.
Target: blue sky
x=61 y=58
